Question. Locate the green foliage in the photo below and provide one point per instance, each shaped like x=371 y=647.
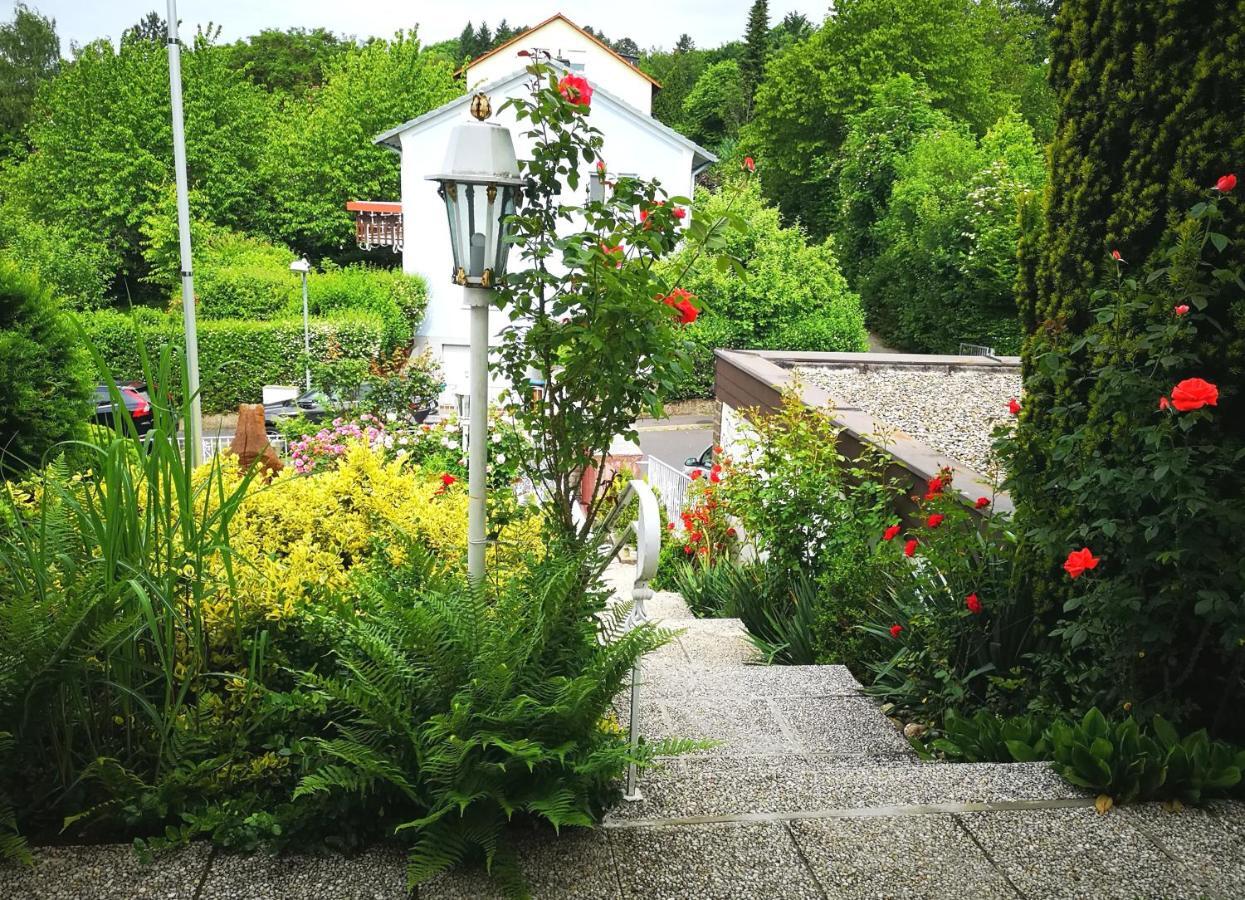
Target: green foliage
x=394 y=297
x=714 y=108
x=791 y=289
x=237 y=357
x=289 y=62
x=47 y=388
x=12 y=845
x=756 y=49
x=1155 y=493
x=105 y=118
x=984 y=737
x=460 y=710
x=75 y=267
x=946 y=263
x=29 y=56
x=320 y=154
x=802 y=109
x=1149 y=111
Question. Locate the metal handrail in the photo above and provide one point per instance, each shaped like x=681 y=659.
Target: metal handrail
x=647 y=530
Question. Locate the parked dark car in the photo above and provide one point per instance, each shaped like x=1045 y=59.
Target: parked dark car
x=136 y=400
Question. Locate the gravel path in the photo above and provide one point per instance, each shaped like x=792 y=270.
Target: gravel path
x=953 y=411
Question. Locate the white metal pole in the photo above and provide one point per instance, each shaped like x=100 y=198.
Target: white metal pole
x=194 y=428
x=306 y=335
x=477 y=451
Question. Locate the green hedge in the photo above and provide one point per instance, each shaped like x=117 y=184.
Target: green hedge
x=237 y=357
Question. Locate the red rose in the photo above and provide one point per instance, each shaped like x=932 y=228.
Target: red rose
x=1194 y=393
x=1013 y=406
x=1079 y=561
x=982 y=502
x=1115 y=255
x=750 y=164
x=695 y=537
x=909 y=549
x=601 y=166
x=935 y=520
x=895 y=630
x=670 y=526
x=678 y=212
x=687 y=312
x=1182 y=309
x=731 y=532
x=973 y=604
x=935 y=485
x=1225 y=183
x=718 y=450
x=689 y=549
x=576 y=90
x=447 y=479
x=696 y=473
x=891 y=533
x=715 y=476
x=1164 y=404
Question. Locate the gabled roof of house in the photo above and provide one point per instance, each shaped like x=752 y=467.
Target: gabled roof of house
x=390 y=138
x=600 y=43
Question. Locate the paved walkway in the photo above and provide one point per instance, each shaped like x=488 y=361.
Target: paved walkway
x=810 y=793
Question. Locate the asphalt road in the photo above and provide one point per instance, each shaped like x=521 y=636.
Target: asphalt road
x=674 y=440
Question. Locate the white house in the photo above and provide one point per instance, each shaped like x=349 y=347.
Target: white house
x=634 y=144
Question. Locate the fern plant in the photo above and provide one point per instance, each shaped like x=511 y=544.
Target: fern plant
x=457 y=710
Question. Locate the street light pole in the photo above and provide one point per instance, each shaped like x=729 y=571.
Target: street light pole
x=302 y=267
x=194 y=428
x=477 y=434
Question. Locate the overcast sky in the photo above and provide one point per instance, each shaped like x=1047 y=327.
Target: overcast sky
x=647 y=22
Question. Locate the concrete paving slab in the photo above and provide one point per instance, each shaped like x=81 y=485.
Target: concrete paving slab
x=377 y=874
x=1211 y=842
x=742 y=727
x=799 y=783
x=711 y=643
x=1076 y=853
x=756 y=682
x=841 y=726
x=712 y=862
x=898 y=857
x=668 y=608
x=578 y=864
x=106 y=872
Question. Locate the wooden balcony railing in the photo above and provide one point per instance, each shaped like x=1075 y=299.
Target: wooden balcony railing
x=377 y=223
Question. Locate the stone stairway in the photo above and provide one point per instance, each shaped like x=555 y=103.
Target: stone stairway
x=808 y=792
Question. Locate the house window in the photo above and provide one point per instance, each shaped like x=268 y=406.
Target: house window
x=596 y=188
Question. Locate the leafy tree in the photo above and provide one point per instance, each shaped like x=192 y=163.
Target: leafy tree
x=877 y=140
x=47 y=375
x=1151 y=97
x=321 y=153
x=794 y=296
x=105 y=119
x=714 y=108
x=812 y=88
x=677 y=73
x=947 y=263
x=752 y=67
x=626 y=47
x=29 y=55
x=287 y=62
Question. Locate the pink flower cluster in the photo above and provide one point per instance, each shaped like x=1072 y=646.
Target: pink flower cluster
x=330 y=443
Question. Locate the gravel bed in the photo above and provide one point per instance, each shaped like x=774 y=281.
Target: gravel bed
x=953 y=411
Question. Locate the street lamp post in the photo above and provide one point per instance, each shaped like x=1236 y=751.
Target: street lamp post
x=303 y=267
x=479 y=184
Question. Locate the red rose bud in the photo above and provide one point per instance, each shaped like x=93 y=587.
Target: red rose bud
x=973 y=604
x=896 y=630
x=1225 y=183
x=1194 y=393
x=982 y=503
x=1164 y=404
x=678 y=212
x=891 y=533
x=696 y=473
x=1080 y=561
x=1115 y=255
x=1013 y=406
x=601 y=166
x=935 y=520
x=750 y=164
x=1182 y=309
x=909 y=549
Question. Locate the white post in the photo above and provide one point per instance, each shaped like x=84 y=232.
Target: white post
x=306 y=335
x=194 y=428
x=477 y=451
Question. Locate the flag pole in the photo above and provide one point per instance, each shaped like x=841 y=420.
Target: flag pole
x=194 y=428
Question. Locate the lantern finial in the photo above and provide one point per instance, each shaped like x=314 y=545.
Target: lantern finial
x=481 y=108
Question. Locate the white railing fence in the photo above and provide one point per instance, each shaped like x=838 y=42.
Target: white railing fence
x=670 y=484
x=214 y=444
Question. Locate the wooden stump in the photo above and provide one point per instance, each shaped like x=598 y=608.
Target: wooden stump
x=250 y=442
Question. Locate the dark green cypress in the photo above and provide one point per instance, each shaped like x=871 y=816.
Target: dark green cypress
x=756 y=46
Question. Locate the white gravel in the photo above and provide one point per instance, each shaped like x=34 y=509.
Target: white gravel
x=954 y=411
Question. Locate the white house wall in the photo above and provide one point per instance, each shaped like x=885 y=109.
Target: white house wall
x=629 y=148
